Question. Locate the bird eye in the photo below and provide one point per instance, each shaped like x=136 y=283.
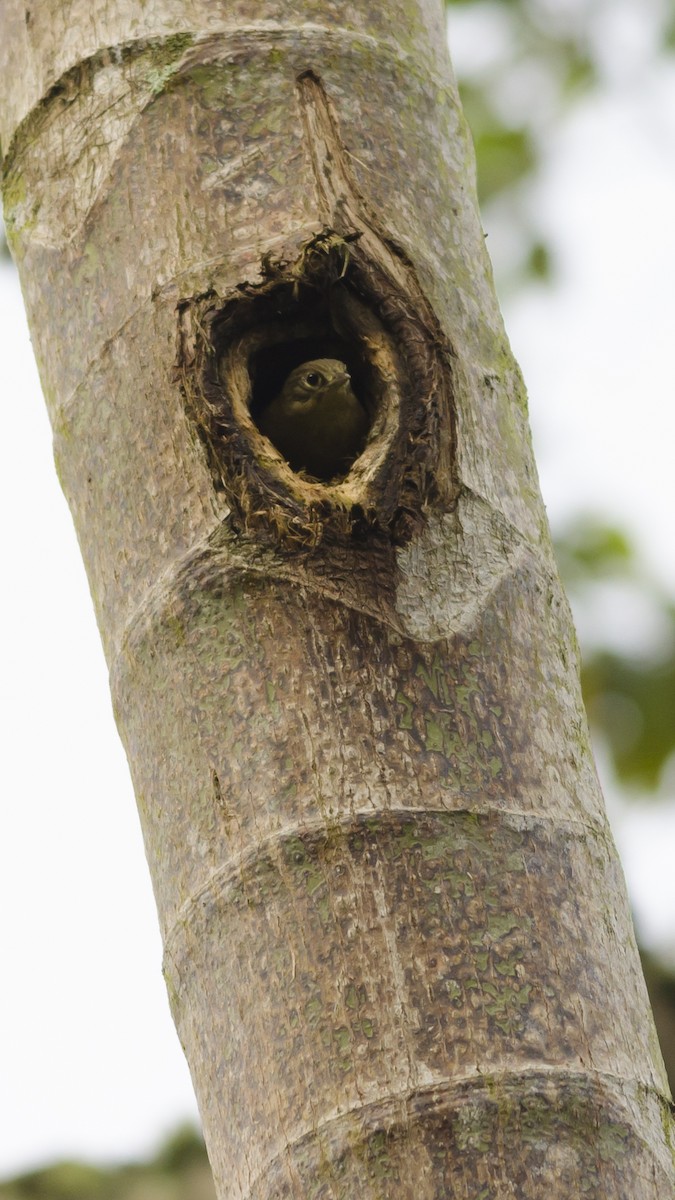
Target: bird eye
x=312 y=378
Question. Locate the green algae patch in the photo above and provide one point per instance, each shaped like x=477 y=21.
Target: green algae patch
x=166 y=58
x=447 y=706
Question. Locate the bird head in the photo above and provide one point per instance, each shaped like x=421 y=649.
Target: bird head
x=309 y=383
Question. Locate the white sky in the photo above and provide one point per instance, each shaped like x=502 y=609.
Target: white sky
x=89 y=1063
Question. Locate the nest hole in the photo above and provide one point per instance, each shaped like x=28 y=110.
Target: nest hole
x=236 y=354
x=265 y=347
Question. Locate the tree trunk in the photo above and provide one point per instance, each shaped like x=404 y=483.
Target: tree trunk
x=397 y=944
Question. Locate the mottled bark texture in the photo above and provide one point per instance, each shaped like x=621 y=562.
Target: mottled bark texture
x=398 y=949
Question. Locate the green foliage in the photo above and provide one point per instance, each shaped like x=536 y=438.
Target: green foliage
x=630 y=697
x=63 y=1181
x=180 y=1171
x=504 y=154
x=184 y=1149
x=591 y=549
x=633 y=703
x=539 y=263
x=519 y=66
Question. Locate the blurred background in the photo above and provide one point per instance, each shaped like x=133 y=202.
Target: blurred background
x=572 y=108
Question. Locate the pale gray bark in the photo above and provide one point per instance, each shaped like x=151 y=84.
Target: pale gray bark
x=397 y=944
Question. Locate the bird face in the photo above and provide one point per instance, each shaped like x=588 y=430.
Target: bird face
x=311 y=382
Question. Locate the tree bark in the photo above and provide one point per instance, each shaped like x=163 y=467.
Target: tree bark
x=397 y=944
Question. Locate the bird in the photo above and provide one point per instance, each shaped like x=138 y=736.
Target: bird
x=316 y=421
